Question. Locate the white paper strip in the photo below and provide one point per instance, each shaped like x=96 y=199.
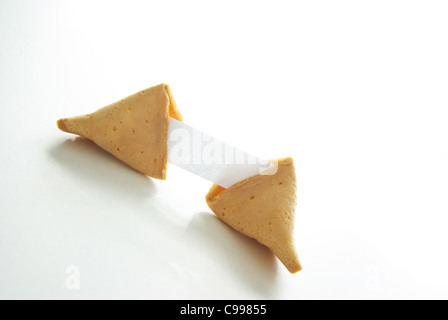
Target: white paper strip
x=211 y=158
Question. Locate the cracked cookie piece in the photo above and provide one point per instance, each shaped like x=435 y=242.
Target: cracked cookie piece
x=134 y=129
x=262 y=207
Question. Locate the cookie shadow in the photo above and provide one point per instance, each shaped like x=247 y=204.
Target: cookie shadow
x=254 y=264
x=250 y=262
x=92 y=165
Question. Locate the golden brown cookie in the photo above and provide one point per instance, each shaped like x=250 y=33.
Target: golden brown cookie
x=134 y=129
x=262 y=207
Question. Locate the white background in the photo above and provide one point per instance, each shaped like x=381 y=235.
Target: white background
x=355 y=91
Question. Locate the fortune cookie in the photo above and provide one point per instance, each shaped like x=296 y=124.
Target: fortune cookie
x=262 y=207
x=134 y=129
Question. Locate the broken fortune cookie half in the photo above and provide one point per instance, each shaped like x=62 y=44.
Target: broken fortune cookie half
x=134 y=129
x=262 y=207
